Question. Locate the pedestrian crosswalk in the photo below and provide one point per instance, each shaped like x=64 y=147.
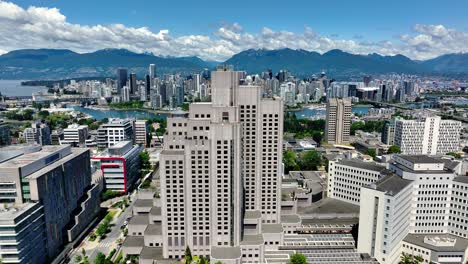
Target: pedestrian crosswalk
x=105 y=244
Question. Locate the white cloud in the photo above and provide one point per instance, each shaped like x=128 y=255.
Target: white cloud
x=39 y=27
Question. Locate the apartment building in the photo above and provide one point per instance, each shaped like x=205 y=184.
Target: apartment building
x=430 y=136
x=75 y=135
x=338 y=121
x=141 y=132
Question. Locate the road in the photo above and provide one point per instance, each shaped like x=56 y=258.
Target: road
x=106 y=245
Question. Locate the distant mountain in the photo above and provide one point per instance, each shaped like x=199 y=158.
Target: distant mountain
x=449 y=63
x=335 y=62
x=63 y=64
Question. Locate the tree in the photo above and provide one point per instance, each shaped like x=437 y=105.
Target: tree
x=289 y=160
x=188 y=255
x=371 y=152
x=297 y=259
x=145 y=161
x=394 y=149
x=310 y=160
x=43 y=114
x=100 y=258
x=406 y=258
x=455 y=155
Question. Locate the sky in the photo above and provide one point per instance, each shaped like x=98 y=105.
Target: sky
x=216 y=30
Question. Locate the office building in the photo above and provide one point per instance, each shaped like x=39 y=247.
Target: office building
x=202 y=163
x=388 y=133
x=38 y=132
x=75 y=135
x=50 y=189
x=133 y=83
x=141 y=132
x=120 y=166
x=56 y=137
x=5 y=138
x=431 y=136
x=122 y=77
x=419 y=210
x=338 y=121
x=347 y=176
x=152 y=73
x=114 y=131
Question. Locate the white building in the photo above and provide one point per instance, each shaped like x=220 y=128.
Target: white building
x=75 y=135
x=201 y=169
x=419 y=210
x=114 y=131
x=430 y=136
x=125 y=94
x=347 y=176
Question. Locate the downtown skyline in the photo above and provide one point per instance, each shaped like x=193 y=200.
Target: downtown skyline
x=420 y=32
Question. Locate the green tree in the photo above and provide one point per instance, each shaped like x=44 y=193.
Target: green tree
x=100 y=258
x=394 y=149
x=145 y=161
x=406 y=258
x=297 y=259
x=455 y=155
x=290 y=161
x=310 y=160
x=43 y=114
x=188 y=255
x=371 y=152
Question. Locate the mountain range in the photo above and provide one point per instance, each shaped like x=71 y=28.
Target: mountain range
x=62 y=64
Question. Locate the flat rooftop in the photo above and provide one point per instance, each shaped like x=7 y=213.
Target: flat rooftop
x=152 y=253
x=28 y=158
x=329 y=206
x=391 y=184
x=421 y=159
x=139 y=220
x=143 y=203
x=461 y=244
x=252 y=240
x=361 y=164
x=75 y=152
x=462 y=179
x=225 y=252
x=272 y=228
x=154 y=229
x=11 y=212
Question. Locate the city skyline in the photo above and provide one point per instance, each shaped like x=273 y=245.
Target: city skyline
x=422 y=32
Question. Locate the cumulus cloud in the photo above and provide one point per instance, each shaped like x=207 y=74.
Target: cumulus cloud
x=40 y=27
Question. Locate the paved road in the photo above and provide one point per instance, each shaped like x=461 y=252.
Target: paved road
x=105 y=245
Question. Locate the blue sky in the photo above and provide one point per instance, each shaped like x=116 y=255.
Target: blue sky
x=366 y=23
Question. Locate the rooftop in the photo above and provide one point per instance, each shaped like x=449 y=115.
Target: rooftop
x=391 y=184
x=252 y=240
x=134 y=241
x=139 y=220
x=154 y=229
x=462 y=179
x=249 y=214
x=11 y=212
x=143 y=203
x=153 y=253
x=421 y=159
x=290 y=218
x=329 y=206
x=272 y=228
x=155 y=210
x=225 y=252
x=361 y=164
x=28 y=158
x=461 y=244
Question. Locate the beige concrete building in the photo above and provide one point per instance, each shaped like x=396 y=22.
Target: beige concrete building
x=338 y=123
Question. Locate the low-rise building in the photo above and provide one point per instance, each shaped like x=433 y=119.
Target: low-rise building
x=120 y=166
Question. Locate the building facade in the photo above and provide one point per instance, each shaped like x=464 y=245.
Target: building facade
x=141 y=132
x=75 y=135
x=430 y=136
x=114 y=131
x=338 y=121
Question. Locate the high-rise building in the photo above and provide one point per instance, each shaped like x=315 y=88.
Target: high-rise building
x=149 y=82
x=114 y=131
x=152 y=71
x=338 y=121
x=141 y=132
x=388 y=133
x=5 y=138
x=122 y=76
x=125 y=94
x=133 y=83
x=48 y=200
x=222 y=148
x=432 y=135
